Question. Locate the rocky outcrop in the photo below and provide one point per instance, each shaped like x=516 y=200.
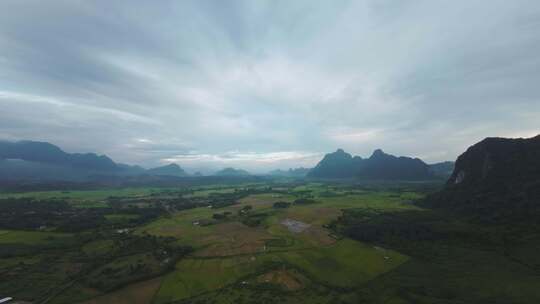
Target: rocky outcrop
x=496 y=179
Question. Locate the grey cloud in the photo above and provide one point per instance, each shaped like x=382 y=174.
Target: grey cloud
x=146 y=82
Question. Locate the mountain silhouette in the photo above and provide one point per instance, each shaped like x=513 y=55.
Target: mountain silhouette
x=232 y=172
x=43 y=161
x=170 y=169
x=46 y=153
x=442 y=169
x=379 y=166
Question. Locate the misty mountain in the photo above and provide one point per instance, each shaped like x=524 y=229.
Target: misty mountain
x=232 y=172
x=42 y=161
x=46 y=153
x=339 y=164
x=296 y=172
x=130 y=169
x=382 y=166
x=171 y=170
x=21 y=170
x=379 y=166
x=496 y=178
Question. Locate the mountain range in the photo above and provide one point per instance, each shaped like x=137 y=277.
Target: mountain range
x=379 y=166
x=169 y=170
x=33 y=160
x=232 y=172
x=46 y=153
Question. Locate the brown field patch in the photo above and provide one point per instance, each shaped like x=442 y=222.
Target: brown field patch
x=288 y=280
x=169 y=230
x=294 y=225
x=232 y=239
x=310 y=215
x=138 y=293
x=265 y=199
x=320 y=235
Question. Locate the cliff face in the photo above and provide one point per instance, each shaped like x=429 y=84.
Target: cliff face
x=494 y=179
x=497 y=161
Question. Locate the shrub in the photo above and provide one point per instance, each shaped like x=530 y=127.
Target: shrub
x=278 y=205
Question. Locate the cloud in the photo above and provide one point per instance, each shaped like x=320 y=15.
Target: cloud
x=277 y=82
x=253 y=161
x=10 y=97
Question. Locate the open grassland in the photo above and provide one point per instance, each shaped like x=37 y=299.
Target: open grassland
x=181 y=225
x=230 y=237
x=265 y=200
x=244 y=253
x=209 y=192
x=455 y=275
x=33 y=237
x=83 y=194
x=228 y=251
x=196 y=276
x=87 y=198
x=289 y=280
x=98 y=247
x=241 y=249
x=221 y=239
x=138 y=293
x=346 y=264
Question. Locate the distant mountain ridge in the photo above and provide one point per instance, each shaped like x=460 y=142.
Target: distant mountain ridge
x=379 y=166
x=170 y=170
x=232 y=172
x=442 y=169
x=33 y=160
x=43 y=152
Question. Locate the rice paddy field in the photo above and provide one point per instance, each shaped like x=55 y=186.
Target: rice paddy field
x=229 y=253
x=264 y=243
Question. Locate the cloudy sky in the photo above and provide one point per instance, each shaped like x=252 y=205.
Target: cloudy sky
x=268 y=84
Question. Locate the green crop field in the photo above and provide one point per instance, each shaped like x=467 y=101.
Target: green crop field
x=32 y=237
x=226 y=250
x=177 y=245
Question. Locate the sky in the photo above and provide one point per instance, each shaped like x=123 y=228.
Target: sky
x=261 y=85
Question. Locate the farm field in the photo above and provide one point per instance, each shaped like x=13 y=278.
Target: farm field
x=231 y=244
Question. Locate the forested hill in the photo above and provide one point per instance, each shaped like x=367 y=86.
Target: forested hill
x=497 y=177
